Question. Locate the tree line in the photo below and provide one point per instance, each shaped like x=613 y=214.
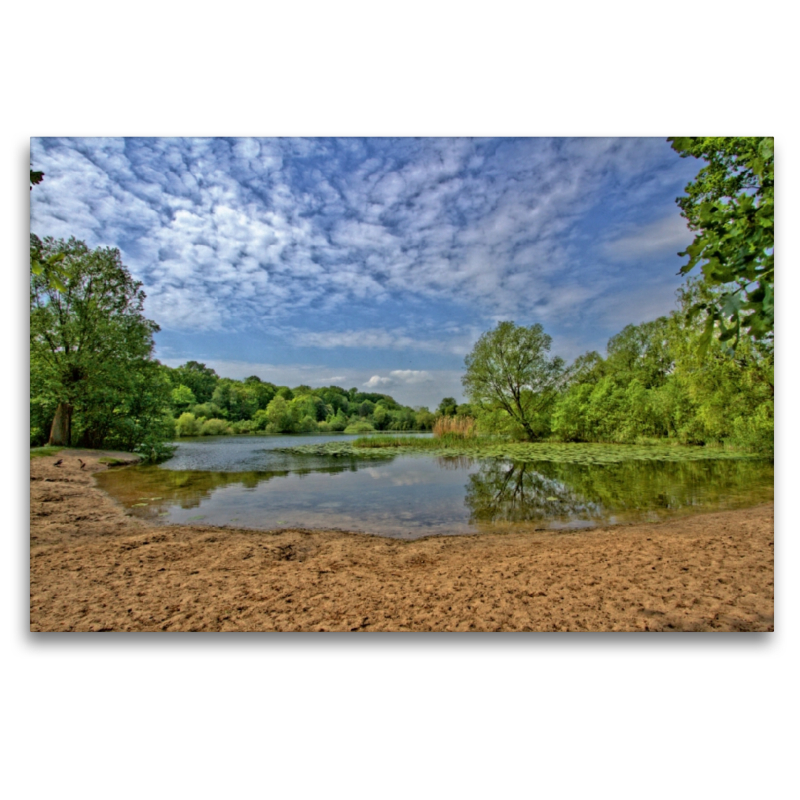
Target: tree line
x=203 y=403
x=655 y=383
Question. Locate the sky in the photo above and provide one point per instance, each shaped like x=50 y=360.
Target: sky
x=374 y=262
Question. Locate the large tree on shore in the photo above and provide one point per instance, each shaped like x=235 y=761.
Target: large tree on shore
x=730 y=206
x=91 y=351
x=511 y=380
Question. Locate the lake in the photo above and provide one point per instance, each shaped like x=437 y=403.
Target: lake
x=245 y=482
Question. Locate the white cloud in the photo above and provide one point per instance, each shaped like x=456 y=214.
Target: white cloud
x=250 y=235
x=400 y=377
x=450 y=339
x=376 y=380
x=667 y=235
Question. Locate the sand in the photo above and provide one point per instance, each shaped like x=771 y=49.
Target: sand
x=94 y=568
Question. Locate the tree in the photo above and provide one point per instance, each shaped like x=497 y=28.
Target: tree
x=511 y=379
x=731 y=207
x=202 y=380
x=448 y=407
x=91 y=353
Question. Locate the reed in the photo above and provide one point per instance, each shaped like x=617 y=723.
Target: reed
x=454 y=428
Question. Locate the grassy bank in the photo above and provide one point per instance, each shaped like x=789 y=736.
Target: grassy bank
x=47 y=450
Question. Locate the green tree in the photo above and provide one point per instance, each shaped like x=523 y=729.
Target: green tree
x=91 y=354
x=279 y=416
x=202 y=380
x=182 y=397
x=448 y=407
x=731 y=207
x=511 y=380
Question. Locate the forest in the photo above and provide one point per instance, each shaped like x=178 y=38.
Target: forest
x=702 y=375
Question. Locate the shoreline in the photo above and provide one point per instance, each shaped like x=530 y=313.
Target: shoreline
x=93 y=567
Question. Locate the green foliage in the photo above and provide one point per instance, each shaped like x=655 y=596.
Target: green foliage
x=187 y=425
x=718 y=398
x=207 y=411
x=359 y=427
x=279 y=416
x=448 y=407
x=182 y=397
x=91 y=352
x=215 y=427
x=511 y=382
x=202 y=380
x=306 y=425
x=424 y=420
x=657 y=382
x=244 y=426
x=731 y=207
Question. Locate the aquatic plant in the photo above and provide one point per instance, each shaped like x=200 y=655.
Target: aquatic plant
x=454 y=428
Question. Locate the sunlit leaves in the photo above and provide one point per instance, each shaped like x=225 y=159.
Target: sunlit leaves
x=730 y=205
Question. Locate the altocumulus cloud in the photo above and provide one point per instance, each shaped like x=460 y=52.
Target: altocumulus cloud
x=412 y=245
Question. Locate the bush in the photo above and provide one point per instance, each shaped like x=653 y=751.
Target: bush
x=215 y=427
x=244 y=426
x=359 y=427
x=757 y=432
x=307 y=425
x=187 y=425
x=337 y=422
x=207 y=411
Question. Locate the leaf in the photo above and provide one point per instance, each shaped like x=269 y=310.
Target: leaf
x=705 y=338
x=766 y=148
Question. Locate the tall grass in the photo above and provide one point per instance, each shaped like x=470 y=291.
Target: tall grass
x=454 y=428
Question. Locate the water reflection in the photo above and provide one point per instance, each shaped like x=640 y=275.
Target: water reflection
x=148 y=491
x=407 y=496
x=545 y=491
x=508 y=491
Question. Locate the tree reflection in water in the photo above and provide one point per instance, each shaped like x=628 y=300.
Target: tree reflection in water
x=518 y=491
x=161 y=489
x=515 y=491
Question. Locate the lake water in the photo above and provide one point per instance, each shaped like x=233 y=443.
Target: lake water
x=241 y=481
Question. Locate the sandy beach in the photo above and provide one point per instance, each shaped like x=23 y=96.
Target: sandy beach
x=94 y=568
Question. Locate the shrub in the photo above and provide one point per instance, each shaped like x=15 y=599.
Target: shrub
x=187 y=425
x=207 y=411
x=307 y=425
x=337 y=422
x=359 y=427
x=244 y=426
x=215 y=427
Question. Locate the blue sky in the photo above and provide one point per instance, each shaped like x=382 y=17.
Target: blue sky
x=378 y=262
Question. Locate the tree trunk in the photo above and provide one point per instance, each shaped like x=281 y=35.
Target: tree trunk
x=61 y=430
